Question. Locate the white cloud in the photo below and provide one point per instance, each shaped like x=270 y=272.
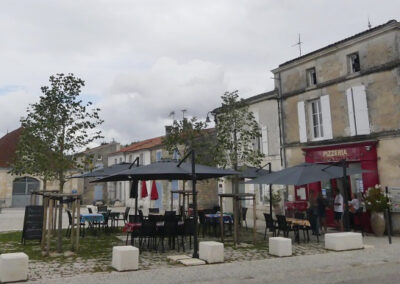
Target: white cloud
x=141 y=102
x=142 y=59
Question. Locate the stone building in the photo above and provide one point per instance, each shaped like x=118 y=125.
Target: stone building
x=342 y=101
x=94 y=159
x=150 y=151
x=15 y=191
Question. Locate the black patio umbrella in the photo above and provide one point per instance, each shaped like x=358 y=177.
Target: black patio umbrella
x=173 y=170
x=99 y=173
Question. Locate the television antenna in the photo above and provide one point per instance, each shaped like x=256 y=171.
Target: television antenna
x=299 y=44
x=369 y=23
x=183 y=113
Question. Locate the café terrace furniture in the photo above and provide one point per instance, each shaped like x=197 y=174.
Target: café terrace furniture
x=270 y=225
x=82 y=225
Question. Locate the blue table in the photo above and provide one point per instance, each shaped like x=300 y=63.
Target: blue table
x=92 y=218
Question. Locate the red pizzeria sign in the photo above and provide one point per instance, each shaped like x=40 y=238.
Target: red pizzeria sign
x=334 y=155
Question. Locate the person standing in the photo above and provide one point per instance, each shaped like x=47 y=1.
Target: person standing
x=338 y=210
x=322 y=204
x=313 y=211
x=354 y=206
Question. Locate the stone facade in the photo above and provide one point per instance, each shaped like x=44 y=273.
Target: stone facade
x=349 y=100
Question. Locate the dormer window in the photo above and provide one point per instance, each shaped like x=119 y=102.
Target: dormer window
x=354 y=63
x=311 y=77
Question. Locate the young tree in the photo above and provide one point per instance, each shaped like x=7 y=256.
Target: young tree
x=187 y=134
x=236 y=130
x=55 y=128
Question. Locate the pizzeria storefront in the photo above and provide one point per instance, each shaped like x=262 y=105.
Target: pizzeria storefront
x=357 y=155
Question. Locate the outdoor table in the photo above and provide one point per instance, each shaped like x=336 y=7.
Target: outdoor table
x=131 y=227
x=92 y=218
x=112 y=216
x=299 y=223
x=214 y=219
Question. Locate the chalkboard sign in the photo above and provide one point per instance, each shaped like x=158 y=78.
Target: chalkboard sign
x=33 y=223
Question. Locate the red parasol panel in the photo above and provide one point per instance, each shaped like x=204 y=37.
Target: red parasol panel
x=144 y=189
x=154 y=193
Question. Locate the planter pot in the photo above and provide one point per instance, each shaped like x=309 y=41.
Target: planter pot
x=378 y=223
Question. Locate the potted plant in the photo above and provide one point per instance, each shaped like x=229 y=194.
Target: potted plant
x=376 y=202
x=276 y=200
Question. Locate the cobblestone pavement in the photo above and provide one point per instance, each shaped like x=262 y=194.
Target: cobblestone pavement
x=378 y=262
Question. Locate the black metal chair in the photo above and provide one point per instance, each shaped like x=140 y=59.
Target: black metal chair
x=270 y=225
x=187 y=230
x=148 y=231
x=124 y=216
x=154 y=210
x=244 y=214
x=90 y=210
x=169 y=216
x=81 y=224
x=284 y=226
x=102 y=209
x=302 y=216
x=170 y=231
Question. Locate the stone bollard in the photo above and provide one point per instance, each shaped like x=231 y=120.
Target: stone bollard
x=13 y=267
x=212 y=252
x=125 y=258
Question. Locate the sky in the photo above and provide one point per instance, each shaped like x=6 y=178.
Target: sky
x=141 y=60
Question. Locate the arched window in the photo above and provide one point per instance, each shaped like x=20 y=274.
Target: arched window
x=25 y=185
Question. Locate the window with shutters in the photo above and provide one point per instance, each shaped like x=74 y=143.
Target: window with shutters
x=158 y=155
x=264 y=140
x=316 y=125
x=358 y=111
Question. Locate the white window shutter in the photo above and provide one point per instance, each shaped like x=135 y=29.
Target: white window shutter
x=302 y=122
x=264 y=136
x=361 y=110
x=351 y=112
x=256 y=116
x=326 y=117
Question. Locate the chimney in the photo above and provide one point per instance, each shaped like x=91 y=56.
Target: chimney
x=168 y=129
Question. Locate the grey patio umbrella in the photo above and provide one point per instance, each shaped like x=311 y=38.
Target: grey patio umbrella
x=104 y=171
x=168 y=170
x=172 y=170
x=252 y=172
x=304 y=173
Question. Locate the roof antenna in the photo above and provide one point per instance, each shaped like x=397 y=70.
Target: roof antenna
x=299 y=44
x=369 y=23
x=183 y=113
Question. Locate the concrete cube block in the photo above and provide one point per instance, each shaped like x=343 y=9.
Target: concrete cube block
x=343 y=241
x=279 y=246
x=212 y=252
x=13 y=267
x=125 y=258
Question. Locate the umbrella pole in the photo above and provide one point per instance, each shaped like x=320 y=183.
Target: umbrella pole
x=345 y=198
x=195 y=241
x=270 y=200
